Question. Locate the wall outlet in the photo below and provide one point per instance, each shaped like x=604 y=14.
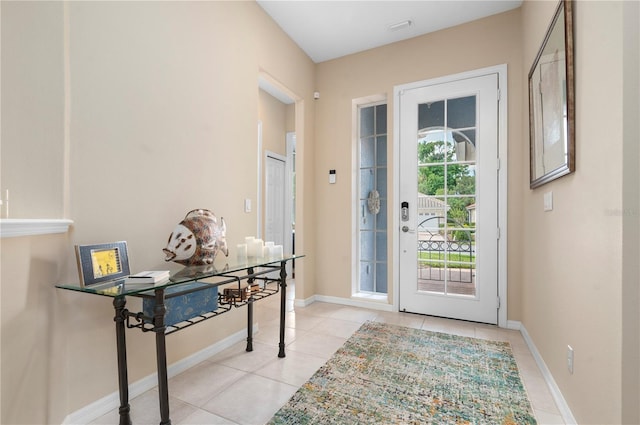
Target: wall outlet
x=570 y=359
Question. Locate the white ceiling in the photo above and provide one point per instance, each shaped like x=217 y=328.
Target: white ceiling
x=329 y=29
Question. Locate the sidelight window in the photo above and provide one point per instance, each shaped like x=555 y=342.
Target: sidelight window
x=372 y=197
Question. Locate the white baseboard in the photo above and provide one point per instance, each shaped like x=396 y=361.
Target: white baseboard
x=304 y=303
x=355 y=302
x=104 y=405
x=364 y=302
x=514 y=325
x=563 y=407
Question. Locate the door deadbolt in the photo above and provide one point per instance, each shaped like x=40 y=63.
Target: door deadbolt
x=404 y=211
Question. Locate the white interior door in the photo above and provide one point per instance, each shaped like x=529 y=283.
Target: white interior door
x=274 y=215
x=448 y=236
x=276 y=229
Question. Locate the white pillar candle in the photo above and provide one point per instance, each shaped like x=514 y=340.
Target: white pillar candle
x=278 y=254
x=250 y=252
x=242 y=253
x=257 y=247
x=249 y=242
x=268 y=250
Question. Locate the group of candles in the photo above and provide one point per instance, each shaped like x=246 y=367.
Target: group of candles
x=256 y=248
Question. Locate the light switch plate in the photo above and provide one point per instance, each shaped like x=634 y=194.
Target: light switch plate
x=548 y=201
x=247 y=205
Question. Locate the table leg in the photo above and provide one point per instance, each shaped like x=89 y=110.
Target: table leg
x=250 y=314
x=283 y=305
x=123 y=380
x=250 y=325
x=161 y=357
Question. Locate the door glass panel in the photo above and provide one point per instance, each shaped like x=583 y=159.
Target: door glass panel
x=431 y=180
x=381 y=277
x=460 y=148
x=367 y=152
x=458 y=210
x=431 y=115
x=465 y=145
x=381 y=217
x=381 y=243
x=381 y=119
x=367 y=121
x=461 y=112
x=462 y=179
x=366 y=182
x=381 y=151
x=367 y=251
x=381 y=182
x=366 y=276
x=431 y=147
x=366 y=217
x=446 y=196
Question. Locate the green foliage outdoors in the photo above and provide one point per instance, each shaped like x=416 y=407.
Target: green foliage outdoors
x=431 y=181
x=462 y=235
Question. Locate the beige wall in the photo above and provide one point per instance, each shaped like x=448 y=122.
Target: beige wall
x=290 y=117
x=273 y=115
x=162 y=104
x=32 y=110
x=492 y=41
x=572 y=259
x=34 y=342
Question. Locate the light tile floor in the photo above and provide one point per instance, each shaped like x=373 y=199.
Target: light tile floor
x=238 y=387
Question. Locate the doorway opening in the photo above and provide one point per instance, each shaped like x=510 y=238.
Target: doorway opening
x=276 y=166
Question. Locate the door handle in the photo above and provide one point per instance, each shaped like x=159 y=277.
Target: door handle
x=407 y=230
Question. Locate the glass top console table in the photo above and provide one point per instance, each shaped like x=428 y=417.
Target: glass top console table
x=262 y=278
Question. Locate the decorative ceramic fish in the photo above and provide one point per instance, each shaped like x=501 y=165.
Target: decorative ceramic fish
x=197 y=239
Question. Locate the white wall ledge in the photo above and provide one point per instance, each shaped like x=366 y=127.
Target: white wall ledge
x=14 y=227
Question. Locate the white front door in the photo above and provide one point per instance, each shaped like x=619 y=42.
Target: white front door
x=448 y=238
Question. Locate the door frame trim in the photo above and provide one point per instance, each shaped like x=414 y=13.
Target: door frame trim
x=501 y=71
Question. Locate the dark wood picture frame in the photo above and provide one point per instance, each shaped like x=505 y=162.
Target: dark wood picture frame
x=552 y=102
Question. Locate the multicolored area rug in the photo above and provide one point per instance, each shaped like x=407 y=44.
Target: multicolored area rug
x=387 y=374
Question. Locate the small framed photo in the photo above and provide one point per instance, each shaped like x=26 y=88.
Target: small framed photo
x=102 y=263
